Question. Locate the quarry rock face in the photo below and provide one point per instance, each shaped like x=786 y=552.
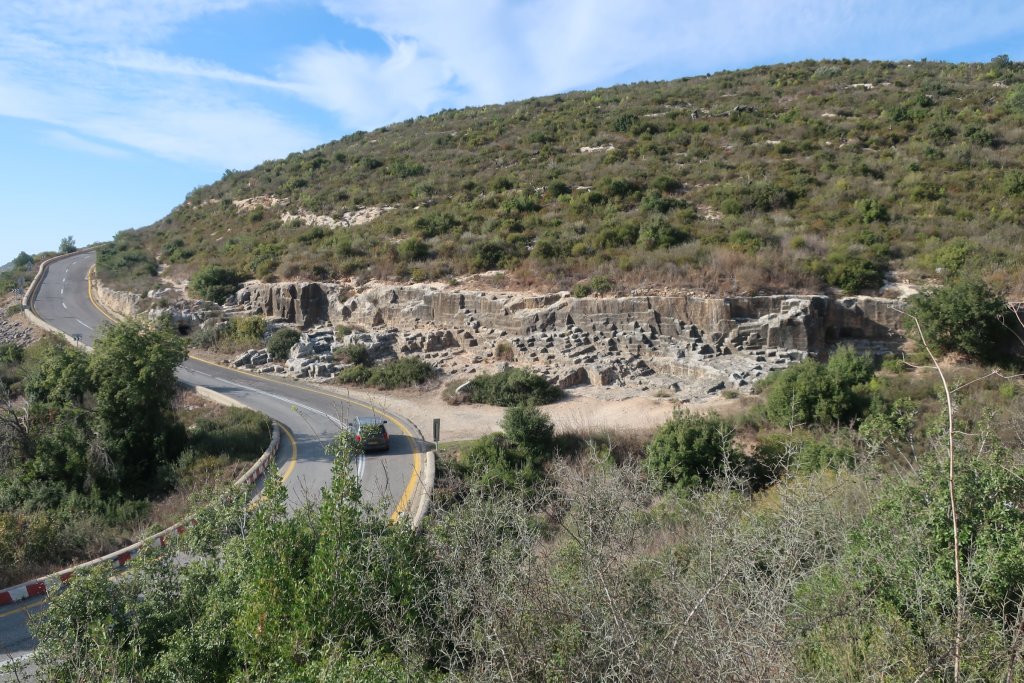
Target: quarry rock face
x=301 y=303
x=683 y=345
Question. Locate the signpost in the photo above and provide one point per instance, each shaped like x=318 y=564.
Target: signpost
x=437 y=432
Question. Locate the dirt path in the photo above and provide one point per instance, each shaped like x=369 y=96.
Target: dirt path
x=579 y=412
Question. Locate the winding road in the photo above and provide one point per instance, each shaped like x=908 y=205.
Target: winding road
x=310 y=416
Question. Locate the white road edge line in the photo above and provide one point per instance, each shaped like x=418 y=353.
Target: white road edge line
x=360 y=461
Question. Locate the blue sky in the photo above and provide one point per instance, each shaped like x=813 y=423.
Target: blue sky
x=112 y=110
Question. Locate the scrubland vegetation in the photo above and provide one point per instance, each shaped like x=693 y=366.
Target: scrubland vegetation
x=96 y=449
x=808 y=537
x=795 y=177
x=862 y=519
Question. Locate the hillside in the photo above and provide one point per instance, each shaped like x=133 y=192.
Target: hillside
x=797 y=177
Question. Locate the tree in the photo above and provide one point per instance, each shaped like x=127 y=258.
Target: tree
x=817 y=393
x=689 y=449
x=516 y=457
x=965 y=316
x=22 y=260
x=67 y=245
x=133 y=370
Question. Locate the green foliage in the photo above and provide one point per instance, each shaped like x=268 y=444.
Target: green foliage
x=818 y=393
x=281 y=342
x=132 y=368
x=215 y=283
x=11 y=353
x=67 y=245
x=125 y=261
x=355 y=354
x=239 y=432
x=516 y=457
x=511 y=387
x=965 y=316
x=251 y=327
x=854 y=271
x=690 y=450
x=402 y=372
x=897 y=578
x=394 y=374
x=22 y=260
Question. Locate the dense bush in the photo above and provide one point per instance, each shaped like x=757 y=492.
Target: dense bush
x=690 y=450
x=514 y=458
x=215 y=283
x=819 y=393
x=965 y=316
x=511 y=387
x=355 y=354
x=394 y=374
x=281 y=342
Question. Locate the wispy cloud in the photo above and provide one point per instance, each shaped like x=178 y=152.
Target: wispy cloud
x=62 y=138
x=56 y=66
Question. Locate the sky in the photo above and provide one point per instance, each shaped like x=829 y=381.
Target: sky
x=111 y=111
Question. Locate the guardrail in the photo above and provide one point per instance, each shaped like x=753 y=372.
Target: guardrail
x=44 y=585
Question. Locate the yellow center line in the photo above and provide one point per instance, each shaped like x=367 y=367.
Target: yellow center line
x=10 y=612
x=410 y=487
x=290 y=467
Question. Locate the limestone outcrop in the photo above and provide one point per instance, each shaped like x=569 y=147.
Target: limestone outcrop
x=301 y=303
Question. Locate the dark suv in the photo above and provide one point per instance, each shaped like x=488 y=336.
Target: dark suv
x=371 y=433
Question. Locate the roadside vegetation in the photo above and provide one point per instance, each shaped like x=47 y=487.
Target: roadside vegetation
x=510 y=387
x=96 y=449
x=748 y=548
x=785 y=178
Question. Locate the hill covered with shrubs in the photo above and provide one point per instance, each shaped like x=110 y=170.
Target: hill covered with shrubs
x=796 y=177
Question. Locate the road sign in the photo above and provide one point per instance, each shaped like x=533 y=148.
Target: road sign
x=437 y=429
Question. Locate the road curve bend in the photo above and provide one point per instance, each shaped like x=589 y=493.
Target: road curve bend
x=309 y=415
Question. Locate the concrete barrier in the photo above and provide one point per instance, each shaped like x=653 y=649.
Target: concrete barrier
x=426 y=488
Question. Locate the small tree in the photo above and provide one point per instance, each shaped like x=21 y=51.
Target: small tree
x=965 y=316
x=689 y=449
x=67 y=245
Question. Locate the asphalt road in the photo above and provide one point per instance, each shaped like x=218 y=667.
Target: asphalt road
x=310 y=415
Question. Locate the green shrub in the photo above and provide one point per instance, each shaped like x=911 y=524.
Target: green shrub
x=13 y=309
x=394 y=374
x=215 y=283
x=689 y=450
x=281 y=342
x=413 y=249
x=581 y=289
x=239 y=433
x=815 y=393
x=512 y=387
x=11 y=353
x=965 y=316
x=404 y=372
x=354 y=374
x=354 y=354
x=515 y=458
x=248 y=328
x=854 y=272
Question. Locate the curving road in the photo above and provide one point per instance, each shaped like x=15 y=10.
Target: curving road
x=310 y=415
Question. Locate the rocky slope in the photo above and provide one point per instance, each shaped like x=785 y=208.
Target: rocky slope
x=685 y=344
